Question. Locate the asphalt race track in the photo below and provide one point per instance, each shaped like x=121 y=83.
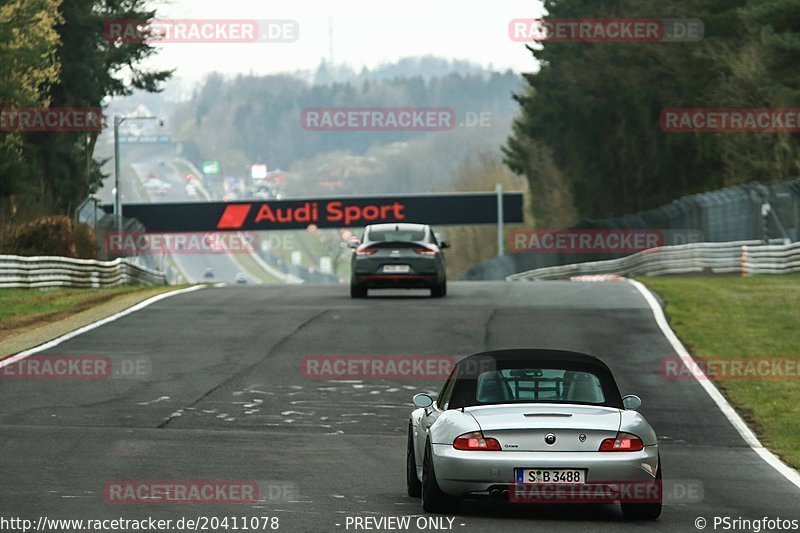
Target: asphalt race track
x=223 y=266
x=224 y=399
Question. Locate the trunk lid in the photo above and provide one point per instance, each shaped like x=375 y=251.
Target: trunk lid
x=394 y=251
x=577 y=428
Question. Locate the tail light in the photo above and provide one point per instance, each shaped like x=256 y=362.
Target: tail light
x=425 y=251
x=624 y=442
x=476 y=441
x=367 y=251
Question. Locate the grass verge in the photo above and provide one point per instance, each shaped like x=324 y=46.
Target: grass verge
x=755 y=317
x=29 y=317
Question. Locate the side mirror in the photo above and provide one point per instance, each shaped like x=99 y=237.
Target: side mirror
x=632 y=402
x=444 y=244
x=353 y=244
x=422 y=400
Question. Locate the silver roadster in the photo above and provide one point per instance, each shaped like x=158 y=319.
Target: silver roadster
x=533 y=426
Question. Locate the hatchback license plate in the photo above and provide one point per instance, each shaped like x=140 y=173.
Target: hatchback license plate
x=396 y=269
x=551 y=476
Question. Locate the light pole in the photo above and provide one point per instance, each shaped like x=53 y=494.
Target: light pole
x=501 y=250
x=95 y=202
x=118 y=120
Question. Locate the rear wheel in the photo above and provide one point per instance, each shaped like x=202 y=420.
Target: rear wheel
x=433 y=499
x=413 y=483
x=439 y=290
x=645 y=511
x=357 y=292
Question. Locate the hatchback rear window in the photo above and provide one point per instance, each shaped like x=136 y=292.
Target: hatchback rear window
x=391 y=235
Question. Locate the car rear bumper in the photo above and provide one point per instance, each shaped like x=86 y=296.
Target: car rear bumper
x=396 y=281
x=463 y=473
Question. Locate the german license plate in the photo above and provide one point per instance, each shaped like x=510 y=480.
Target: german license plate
x=551 y=476
x=396 y=269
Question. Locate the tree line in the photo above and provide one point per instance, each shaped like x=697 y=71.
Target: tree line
x=589 y=139
x=587 y=134
x=54 y=54
x=246 y=119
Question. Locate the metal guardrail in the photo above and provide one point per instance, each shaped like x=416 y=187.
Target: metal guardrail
x=747 y=212
x=38 y=272
x=742 y=257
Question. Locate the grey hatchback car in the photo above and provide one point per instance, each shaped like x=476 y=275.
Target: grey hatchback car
x=398 y=256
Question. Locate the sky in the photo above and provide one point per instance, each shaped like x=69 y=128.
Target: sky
x=365 y=33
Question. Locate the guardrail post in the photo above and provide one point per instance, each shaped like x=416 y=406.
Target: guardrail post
x=744 y=262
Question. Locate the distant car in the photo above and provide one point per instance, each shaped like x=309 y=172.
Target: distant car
x=159 y=187
x=268 y=193
x=241 y=278
x=398 y=256
x=208 y=273
x=528 y=425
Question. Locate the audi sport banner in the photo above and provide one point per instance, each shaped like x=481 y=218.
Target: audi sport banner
x=441 y=209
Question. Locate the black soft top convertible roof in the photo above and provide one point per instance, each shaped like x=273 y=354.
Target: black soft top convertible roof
x=469 y=368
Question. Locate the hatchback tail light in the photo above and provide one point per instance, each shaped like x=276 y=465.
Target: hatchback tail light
x=624 y=442
x=367 y=251
x=425 y=251
x=476 y=441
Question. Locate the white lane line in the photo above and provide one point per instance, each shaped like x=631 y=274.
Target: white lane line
x=94 y=325
x=727 y=409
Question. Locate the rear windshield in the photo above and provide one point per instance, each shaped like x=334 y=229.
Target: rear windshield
x=391 y=235
x=538 y=385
